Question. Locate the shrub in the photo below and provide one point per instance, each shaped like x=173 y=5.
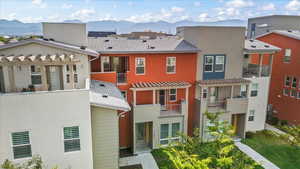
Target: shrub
x=274 y=121
x=250 y=134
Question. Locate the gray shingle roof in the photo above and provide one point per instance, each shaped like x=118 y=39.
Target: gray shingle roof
x=107 y=95
x=289 y=33
x=172 y=44
x=52 y=44
x=256 y=46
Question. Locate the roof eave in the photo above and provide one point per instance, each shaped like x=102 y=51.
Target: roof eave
x=136 y=52
x=111 y=107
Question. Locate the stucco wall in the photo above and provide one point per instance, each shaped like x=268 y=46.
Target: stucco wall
x=22 y=76
x=44 y=115
x=259 y=104
x=71 y=33
x=105 y=133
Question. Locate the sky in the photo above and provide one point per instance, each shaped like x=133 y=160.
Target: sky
x=143 y=10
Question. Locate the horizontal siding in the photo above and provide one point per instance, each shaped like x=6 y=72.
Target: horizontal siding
x=105 y=135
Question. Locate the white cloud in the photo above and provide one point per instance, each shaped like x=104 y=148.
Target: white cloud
x=83 y=14
x=268 y=7
x=177 y=9
x=203 y=17
x=39 y=3
x=293 y=5
x=67 y=6
x=197 y=4
x=225 y=12
x=239 y=3
x=130 y=3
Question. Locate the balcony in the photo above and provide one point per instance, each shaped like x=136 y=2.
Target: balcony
x=173 y=109
x=237 y=105
x=253 y=70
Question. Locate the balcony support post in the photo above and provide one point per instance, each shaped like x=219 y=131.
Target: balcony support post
x=153 y=96
x=260 y=65
x=186 y=117
x=271 y=64
x=134 y=98
x=231 y=92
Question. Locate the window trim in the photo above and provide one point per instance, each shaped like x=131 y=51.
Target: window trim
x=167 y=65
x=63 y=139
x=293 y=78
x=36 y=74
x=250 y=115
x=172 y=95
x=254 y=90
x=136 y=65
x=223 y=64
x=285 y=79
x=285 y=55
x=291 y=94
x=212 y=64
x=12 y=144
x=102 y=59
x=169 y=138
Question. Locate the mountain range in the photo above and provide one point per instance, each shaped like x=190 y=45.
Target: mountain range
x=15 y=27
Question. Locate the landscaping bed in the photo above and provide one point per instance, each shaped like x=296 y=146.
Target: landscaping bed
x=275 y=149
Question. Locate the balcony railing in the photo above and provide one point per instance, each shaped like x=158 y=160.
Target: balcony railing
x=253 y=70
x=219 y=103
x=170 y=109
x=121 y=78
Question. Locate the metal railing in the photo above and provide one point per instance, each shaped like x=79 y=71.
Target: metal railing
x=253 y=70
x=121 y=78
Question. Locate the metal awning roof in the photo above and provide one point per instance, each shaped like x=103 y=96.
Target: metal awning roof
x=37 y=58
x=257 y=47
x=223 y=82
x=159 y=85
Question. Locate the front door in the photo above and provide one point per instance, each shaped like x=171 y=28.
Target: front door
x=54 y=77
x=143 y=136
x=2 y=89
x=162 y=98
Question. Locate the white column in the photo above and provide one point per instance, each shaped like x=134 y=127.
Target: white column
x=232 y=90
x=153 y=96
x=134 y=98
x=260 y=65
x=186 y=115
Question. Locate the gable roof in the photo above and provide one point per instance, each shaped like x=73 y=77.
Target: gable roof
x=51 y=43
x=115 y=45
x=107 y=95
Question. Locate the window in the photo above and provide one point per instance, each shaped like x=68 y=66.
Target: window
x=287 y=82
x=36 y=76
x=74 y=68
x=171 y=64
x=298 y=95
x=164 y=134
x=208 y=63
x=293 y=93
x=204 y=94
x=105 y=64
x=21 y=145
x=68 y=78
x=169 y=133
x=71 y=139
x=285 y=92
x=172 y=94
x=244 y=91
x=251 y=115
x=220 y=62
x=253 y=27
x=287 y=55
x=67 y=68
x=254 y=90
x=140 y=66
x=294 y=83
x=76 y=78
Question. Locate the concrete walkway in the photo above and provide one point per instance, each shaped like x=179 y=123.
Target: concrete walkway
x=272 y=128
x=256 y=156
x=145 y=159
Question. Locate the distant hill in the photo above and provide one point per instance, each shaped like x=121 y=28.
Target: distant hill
x=15 y=27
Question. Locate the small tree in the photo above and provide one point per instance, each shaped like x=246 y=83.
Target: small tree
x=34 y=163
x=220 y=153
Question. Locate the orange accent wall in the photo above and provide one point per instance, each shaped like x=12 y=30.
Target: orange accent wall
x=288 y=107
x=107 y=77
x=155 y=71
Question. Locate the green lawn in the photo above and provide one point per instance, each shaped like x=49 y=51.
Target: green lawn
x=275 y=149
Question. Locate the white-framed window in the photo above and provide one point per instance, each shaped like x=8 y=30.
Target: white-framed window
x=294 y=82
x=169 y=132
x=75 y=78
x=173 y=94
x=71 y=139
x=105 y=64
x=244 y=91
x=75 y=68
x=287 y=81
x=36 y=75
x=220 y=64
x=21 y=145
x=287 y=55
x=140 y=66
x=171 y=65
x=251 y=115
x=124 y=94
x=68 y=78
x=209 y=64
x=285 y=91
x=67 y=68
x=204 y=93
x=293 y=93
x=254 y=89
